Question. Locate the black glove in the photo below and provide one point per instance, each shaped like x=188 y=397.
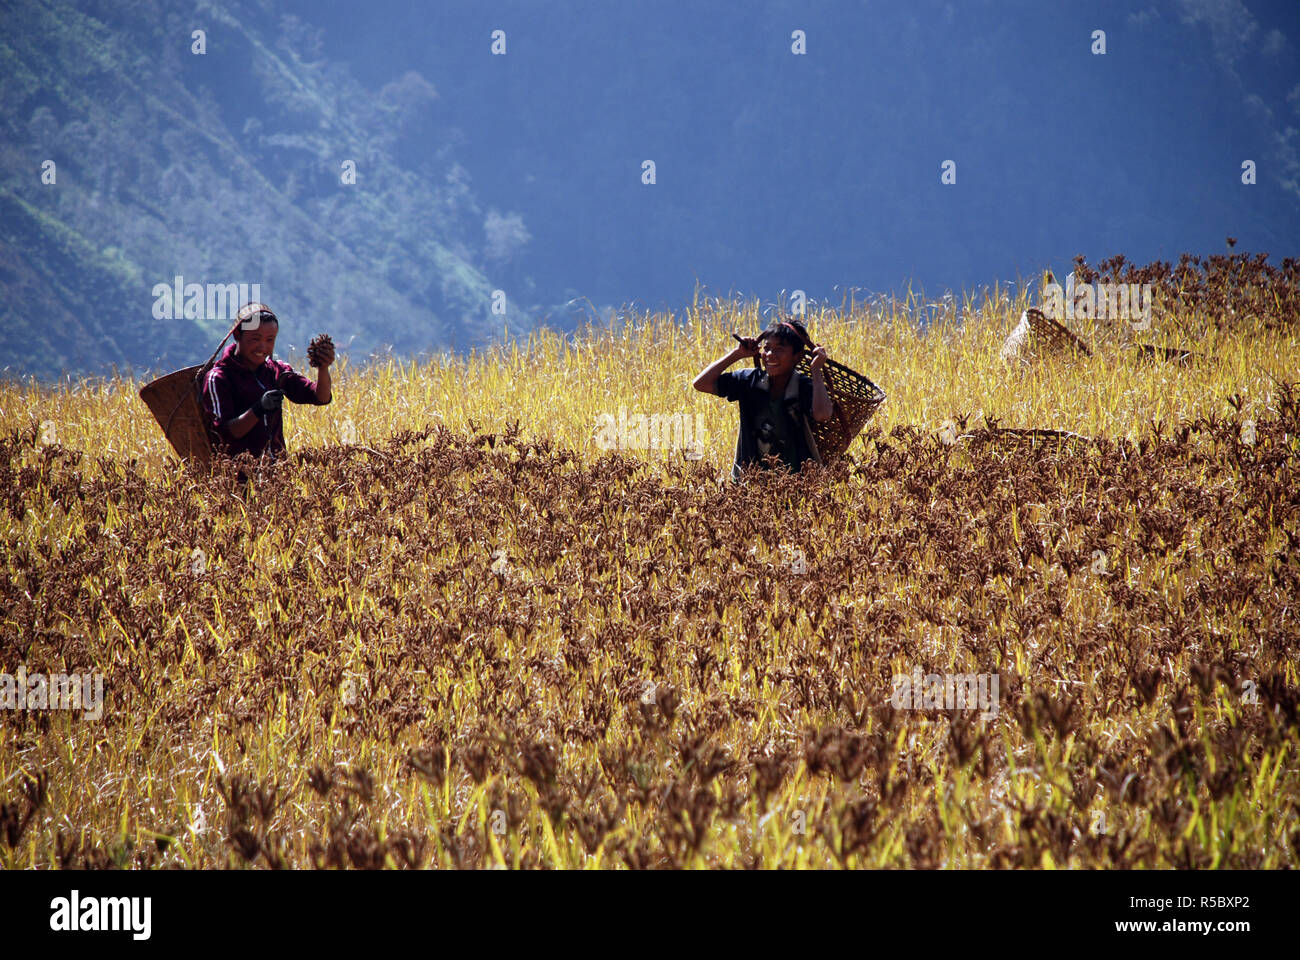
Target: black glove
x=268 y=403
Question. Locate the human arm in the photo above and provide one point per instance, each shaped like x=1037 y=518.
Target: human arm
x=221 y=400
x=707 y=381
x=239 y=426
x=301 y=390
x=323 y=362
x=324 y=384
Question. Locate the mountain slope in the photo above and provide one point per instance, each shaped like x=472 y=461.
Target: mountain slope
x=219 y=168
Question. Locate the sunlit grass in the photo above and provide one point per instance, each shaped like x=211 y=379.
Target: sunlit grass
x=558 y=385
x=366 y=621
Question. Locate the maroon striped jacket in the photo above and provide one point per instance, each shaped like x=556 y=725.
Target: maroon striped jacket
x=231 y=388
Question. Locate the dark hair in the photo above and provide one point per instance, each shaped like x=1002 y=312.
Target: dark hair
x=791 y=332
x=250 y=311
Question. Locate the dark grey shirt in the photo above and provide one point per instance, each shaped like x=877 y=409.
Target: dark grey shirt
x=768 y=426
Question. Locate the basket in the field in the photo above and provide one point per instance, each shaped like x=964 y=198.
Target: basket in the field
x=174 y=402
x=1030 y=438
x=1047 y=334
x=854 y=399
x=1151 y=352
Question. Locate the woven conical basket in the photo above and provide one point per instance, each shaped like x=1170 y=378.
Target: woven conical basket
x=1047 y=334
x=174 y=402
x=855 y=400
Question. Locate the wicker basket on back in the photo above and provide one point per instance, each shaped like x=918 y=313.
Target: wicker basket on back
x=174 y=400
x=855 y=400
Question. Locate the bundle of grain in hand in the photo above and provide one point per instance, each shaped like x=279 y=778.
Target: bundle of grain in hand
x=316 y=350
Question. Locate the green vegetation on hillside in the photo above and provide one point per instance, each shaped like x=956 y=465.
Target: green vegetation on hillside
x=221 y=168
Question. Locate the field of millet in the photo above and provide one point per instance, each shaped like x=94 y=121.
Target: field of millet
x=471 y=638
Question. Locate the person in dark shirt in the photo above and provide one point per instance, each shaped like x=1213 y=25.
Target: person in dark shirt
x=245 y=388
x=776 y=401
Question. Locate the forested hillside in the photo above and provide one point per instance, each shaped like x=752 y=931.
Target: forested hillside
x=221 y=167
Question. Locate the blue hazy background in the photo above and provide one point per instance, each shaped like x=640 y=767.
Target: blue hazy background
x=774 y=171
x=777 y=170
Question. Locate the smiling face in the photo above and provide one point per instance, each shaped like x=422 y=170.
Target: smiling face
x=254 y=346
x=779 y=357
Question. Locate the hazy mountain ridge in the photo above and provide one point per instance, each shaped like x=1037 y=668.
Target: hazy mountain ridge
x=153 y=181
x=523 y=172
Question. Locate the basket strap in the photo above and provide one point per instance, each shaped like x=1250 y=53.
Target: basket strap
x=811 y=440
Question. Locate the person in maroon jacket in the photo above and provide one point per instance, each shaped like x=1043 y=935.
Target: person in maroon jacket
x=245 y=387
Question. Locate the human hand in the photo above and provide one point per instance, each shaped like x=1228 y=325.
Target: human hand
x=749 y=346
x=268 y=403
x=818 y=359
x=320 y=352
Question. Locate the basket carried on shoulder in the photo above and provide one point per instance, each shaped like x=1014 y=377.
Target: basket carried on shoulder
x=855 y=400
x=174 y=400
